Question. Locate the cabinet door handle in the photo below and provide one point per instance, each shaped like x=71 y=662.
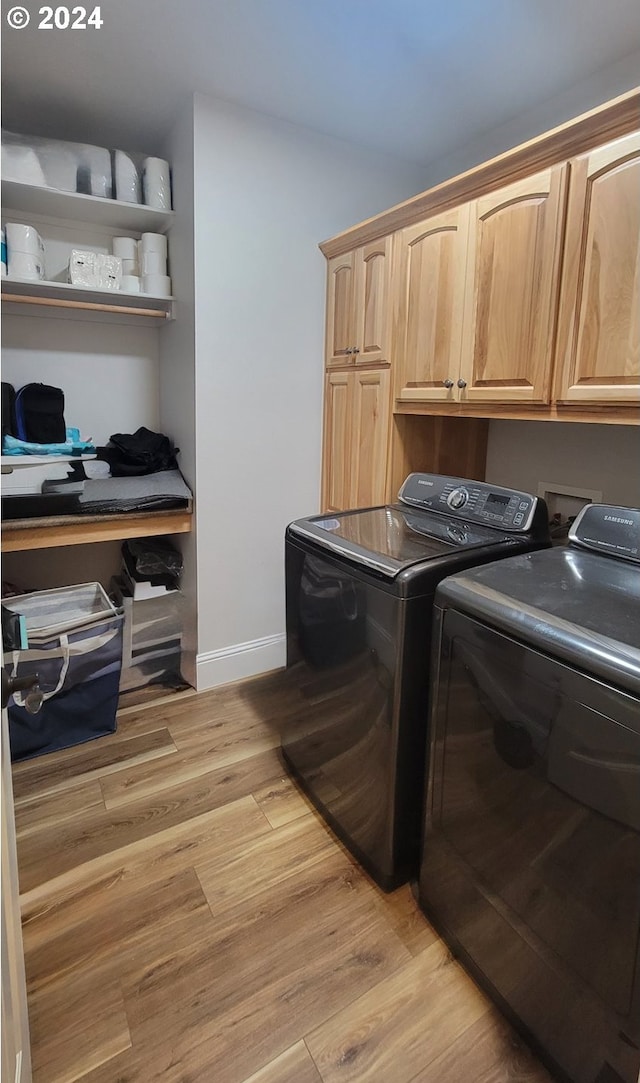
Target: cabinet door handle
x=448 y=384
x=462 y=383
x=356 y=349
x=349 y=349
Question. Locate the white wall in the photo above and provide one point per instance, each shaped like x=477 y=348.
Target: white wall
x=266 y=192
x=605 y=458
x=108 y=372
x=177 y=359
x=177 y=339
x=600 y=87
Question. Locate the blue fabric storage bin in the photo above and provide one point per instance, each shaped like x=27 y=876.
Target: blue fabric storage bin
x=79 y=677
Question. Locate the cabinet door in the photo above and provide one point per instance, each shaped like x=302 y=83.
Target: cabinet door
x=370 y=437
x=336 y=472
x=515 y=246
x=431 y=276
x=599 y=335
x=371 y=303
x=340 y=333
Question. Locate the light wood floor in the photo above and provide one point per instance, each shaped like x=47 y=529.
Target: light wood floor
x=189 y=918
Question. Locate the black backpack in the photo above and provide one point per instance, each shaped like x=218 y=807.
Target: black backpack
x=8 y=410
x=40 y=414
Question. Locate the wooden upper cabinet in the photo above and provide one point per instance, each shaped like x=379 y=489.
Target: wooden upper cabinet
x=340 y=332
x=371 y=299
x=515 y=246
x=430 y=273
x=358 y=306
x=599 y=328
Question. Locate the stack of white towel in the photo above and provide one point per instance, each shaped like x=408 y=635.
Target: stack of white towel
x=135 y=266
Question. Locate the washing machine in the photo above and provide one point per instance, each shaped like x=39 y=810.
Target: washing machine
x=531 y=855
x=359 y=597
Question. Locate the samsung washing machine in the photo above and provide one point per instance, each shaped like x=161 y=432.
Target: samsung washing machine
x=531 y=859
x=359 y=594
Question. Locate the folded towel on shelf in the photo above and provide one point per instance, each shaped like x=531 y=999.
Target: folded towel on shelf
x=74 y=445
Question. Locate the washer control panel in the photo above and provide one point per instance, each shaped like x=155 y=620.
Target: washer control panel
x=475 y=501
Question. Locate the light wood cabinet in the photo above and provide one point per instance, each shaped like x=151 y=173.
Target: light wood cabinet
x=478 y=297
x=501 y=293
x=338 y=396
x=430 y=271
x=340 y=334
x=513 y=263
x=358 y=306
x=356 y=438
x=599 y=327
x=370 y=436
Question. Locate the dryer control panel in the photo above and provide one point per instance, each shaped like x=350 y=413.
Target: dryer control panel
x=475 y=501
x=608 y=529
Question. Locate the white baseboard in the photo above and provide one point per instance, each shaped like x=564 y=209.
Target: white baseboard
x=239 y=661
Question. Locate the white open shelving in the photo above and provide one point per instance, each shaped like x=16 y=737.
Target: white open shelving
x=73 y=206
x=42 y=460
x=63 y=295
x=70 y=219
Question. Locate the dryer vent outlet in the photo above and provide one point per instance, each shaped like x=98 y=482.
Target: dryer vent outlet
x=565 y=501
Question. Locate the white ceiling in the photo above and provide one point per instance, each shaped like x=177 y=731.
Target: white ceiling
x=413 y=78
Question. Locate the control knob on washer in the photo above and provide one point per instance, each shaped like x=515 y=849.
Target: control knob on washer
x=457 y=499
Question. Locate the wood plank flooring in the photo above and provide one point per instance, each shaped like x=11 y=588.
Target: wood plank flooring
x=189 y=918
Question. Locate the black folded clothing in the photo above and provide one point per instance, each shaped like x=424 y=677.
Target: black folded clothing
x=139 y=453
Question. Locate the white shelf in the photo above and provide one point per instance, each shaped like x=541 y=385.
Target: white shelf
x=34 y=199
x=65 y=295
x=42 y=287
x=43 y=460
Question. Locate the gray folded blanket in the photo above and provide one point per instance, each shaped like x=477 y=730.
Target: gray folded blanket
x=165 y=489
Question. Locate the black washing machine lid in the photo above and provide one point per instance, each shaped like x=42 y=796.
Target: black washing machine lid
x=393 y=538
x=581 y=607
